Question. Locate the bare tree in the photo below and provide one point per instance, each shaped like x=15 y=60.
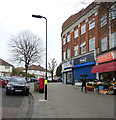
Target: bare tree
x=51 y=66
x=26 y=48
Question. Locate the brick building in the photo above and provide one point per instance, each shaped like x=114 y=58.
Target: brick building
x=84 y=37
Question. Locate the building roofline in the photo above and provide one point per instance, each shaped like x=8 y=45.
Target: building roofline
x=81 y=12
x=3 y=62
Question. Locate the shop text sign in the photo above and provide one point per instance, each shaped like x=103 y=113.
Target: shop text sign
x=84 y=59
x=106 y=57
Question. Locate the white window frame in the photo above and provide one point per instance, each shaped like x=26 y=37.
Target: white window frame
x=76 y=33
x=113 y=40
x=92 y=44
x=68 y=53
x=64 y=41
x=91 y=23
x=113 y=12
x=83 y=47
x=104 y=44
x=68 y=38
x=83 y=29
x=103 y=21
x=76 y=50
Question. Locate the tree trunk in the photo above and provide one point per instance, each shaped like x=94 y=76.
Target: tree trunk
x=26 y=69
x=52 y=75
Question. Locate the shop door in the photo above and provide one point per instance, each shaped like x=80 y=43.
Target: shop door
x=69 y=78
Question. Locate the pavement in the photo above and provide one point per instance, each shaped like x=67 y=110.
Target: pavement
x=67 y=101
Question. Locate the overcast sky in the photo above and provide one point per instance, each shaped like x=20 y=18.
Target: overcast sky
x=16 y=16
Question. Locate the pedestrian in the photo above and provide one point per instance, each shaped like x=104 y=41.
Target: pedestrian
x=84 y=84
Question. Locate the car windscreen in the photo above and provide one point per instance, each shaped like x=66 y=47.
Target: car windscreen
x=18 y=79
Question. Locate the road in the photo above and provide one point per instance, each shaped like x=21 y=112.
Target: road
x=14 y=106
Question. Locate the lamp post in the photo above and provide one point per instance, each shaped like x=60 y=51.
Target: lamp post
x=39 y=16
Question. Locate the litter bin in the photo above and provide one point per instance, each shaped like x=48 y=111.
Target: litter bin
x=41 y=85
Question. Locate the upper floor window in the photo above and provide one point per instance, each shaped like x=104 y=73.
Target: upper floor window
x=68 y=53
x=76 y=50
x=92 y=44
x=76 y=33
x=92 y=23
x=83 y=47
x=113 y=11
x=83 y=29
x=7 y=67
x=104 y=44
x=103 y=20
x=64 y=55
x=68 y=38
x=64 y=41
x=113 y=40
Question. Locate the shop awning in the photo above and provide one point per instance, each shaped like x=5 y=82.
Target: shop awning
x=106 y=67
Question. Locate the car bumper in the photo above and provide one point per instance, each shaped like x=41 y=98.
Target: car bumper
x=15 y=90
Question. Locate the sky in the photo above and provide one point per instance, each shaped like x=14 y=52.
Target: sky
x=16 y=16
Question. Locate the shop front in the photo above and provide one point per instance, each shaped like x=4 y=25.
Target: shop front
x=67 y=74
x=83 y=65
x=106 y=66
x=107 y=71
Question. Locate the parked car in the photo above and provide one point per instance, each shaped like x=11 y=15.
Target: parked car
x=17 y=85
x=3 y=82
x=34 y=80
x=7 y=78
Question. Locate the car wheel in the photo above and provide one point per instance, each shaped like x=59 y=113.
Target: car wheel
x=7 y=92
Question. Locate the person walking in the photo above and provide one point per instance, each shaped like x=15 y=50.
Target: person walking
x=84 y=84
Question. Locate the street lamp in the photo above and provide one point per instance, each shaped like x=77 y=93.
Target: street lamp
x=39 y=16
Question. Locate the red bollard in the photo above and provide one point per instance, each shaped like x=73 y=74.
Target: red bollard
x=41 y=85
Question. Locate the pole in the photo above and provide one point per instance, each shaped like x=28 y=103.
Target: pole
x=39 y=16
x=46 y=62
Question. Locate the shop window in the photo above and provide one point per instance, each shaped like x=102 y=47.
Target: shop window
x=104 y=44
x=103 y=20
x=113 y=40
x=83 y=29
x=91 y=23
x=68 y=53
x=91 y=44
x=68 y=38
x=83 y=48
x=76 y=50
x=76 y=33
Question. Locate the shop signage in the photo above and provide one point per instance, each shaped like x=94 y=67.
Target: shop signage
x=67 y=66
x=84 y=59
x=106 y=57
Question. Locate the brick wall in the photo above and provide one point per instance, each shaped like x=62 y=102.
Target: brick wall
x=85 y=16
